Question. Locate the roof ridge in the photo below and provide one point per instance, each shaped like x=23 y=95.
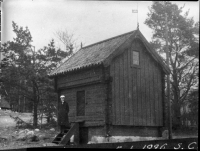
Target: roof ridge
x=108 y=39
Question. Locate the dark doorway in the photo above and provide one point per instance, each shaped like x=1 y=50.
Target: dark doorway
x=80 y=106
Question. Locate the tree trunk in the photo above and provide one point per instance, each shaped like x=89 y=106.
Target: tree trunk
x=48 y=118
x=177 y=112
x=176 y=103
x=19 y=104
x=35 y=105
x=177 y=117
x=35 y=119
x=58 y=97
x=41 y=118
x=24 y=106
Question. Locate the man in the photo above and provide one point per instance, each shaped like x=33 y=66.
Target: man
x=63 y=110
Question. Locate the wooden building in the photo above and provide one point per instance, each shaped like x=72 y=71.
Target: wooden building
x=115 y=86
x=4 y=104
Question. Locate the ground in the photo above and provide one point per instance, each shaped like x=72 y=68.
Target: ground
x=8 y=140
x=9 y=133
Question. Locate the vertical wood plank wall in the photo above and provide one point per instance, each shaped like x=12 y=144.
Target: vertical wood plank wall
x=136 y=92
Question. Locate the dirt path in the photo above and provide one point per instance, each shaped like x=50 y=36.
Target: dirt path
x=7 y=121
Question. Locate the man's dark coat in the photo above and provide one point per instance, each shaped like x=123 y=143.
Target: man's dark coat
x=63 y=110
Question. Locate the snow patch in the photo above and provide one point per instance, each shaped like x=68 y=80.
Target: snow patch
x=115 y=139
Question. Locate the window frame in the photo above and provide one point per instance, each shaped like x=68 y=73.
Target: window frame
x=77 y=103
x=135 y=65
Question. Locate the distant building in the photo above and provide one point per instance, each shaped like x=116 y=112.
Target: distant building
x=4 y=103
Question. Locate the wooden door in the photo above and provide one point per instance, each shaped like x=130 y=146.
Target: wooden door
x=80 y=106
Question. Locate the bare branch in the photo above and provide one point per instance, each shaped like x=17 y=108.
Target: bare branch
x=188 y=86
x=184 y=66
x=67 y=39
x=189 y=71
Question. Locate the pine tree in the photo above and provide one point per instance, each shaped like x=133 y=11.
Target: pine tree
x=182 y=37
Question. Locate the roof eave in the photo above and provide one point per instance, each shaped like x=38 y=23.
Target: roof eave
x=75 y=69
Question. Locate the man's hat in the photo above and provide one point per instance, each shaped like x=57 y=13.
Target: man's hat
x=62 y=96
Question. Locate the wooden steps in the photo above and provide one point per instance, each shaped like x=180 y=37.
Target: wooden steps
x=58 y=139
x=64 y=138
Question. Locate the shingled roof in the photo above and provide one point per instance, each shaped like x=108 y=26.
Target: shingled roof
x=95 y=54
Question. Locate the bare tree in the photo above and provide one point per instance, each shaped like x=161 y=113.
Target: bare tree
x=68 y=41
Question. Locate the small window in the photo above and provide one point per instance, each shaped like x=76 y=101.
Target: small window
x=80 y=106
x=136 y=58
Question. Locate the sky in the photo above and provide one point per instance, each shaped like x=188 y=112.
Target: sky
x=89 y=21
